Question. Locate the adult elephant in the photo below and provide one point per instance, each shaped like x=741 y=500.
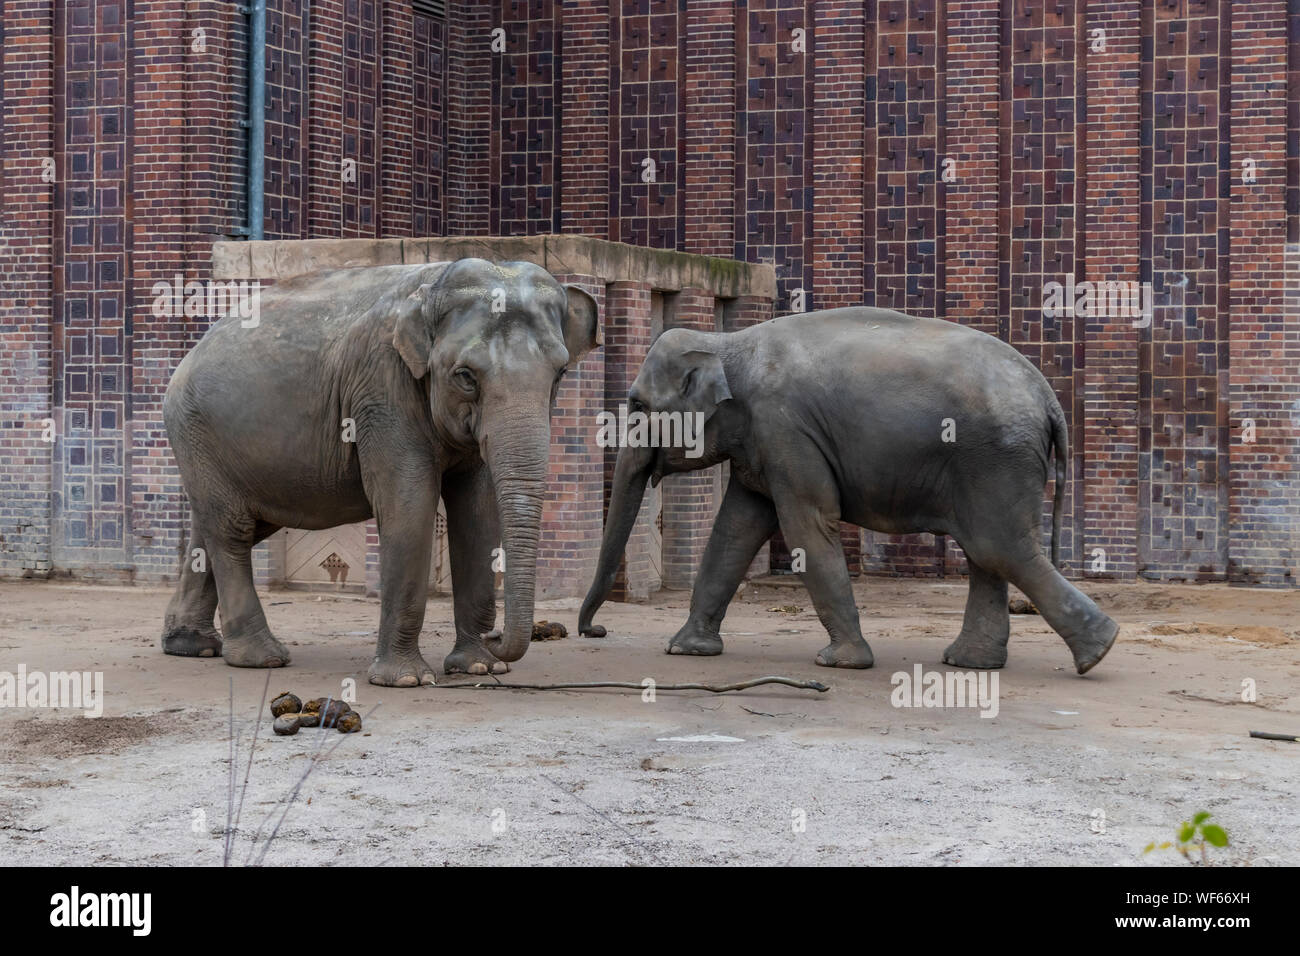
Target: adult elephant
x=894 y=423
x=372 y=392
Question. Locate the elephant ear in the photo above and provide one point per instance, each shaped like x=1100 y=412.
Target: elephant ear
x=413 y=331
x=582 y=331
x=704 y=384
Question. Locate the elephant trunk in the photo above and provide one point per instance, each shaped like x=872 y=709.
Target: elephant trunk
x=631 y=472
x=517 y=458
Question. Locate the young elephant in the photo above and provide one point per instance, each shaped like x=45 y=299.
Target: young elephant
x=372 y=392
x=893 y=423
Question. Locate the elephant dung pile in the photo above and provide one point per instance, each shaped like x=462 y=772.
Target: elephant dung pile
x=291 y=713
x=549 y=631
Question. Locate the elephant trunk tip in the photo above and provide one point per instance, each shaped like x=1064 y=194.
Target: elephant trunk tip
x=589 y=608
x=503 y=649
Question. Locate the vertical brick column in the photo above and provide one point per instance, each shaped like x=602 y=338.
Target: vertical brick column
x=774 y=188
x=971 y=150
x=1264 y=334
x=584 y=132
x=710 y=127
x=429 y=120
x=286 y=119
x=216 y=142
x=1183 y=501
x=688 y=498
x=524 y=86
x=360 y=119
x=159 y=254
x=649 y=126
x=572 y=517
x=325 y=125
x=627 y=339
x=92 y=266
x=839 y=115
x=469 y=115
x=396 y=110
x=1111 y=254
x=26 y=293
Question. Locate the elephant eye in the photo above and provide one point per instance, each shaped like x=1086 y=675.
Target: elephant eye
x=636 y=405
x=465 y=379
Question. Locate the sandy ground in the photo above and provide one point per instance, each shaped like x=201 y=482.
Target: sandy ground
x=1081 y=770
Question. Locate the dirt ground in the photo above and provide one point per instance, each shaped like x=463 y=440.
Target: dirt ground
x=1072 y=770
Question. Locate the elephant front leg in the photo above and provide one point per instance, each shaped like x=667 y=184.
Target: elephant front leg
x=745 y=520
x=986 y=627
x=808 y=506
x=405 y=547
x=473 y=532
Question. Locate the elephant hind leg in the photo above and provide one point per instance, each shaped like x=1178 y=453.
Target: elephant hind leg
x=188 y=629
x=248 y=639
x=1087 y=631
x=986 y=627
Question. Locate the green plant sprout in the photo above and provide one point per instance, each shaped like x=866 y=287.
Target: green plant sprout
x=1194 y=835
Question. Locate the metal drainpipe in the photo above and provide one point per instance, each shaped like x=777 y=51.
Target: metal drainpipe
x=256 y=115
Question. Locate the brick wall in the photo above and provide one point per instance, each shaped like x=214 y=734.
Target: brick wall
x=710 y=98
x=947 y=157
x=469 y=115
x=27 y=39
x=287 y=130
x=524 y=119
x=396 y=108
x=1263 y=334
x=429 y=128
x=585 y=108
x=1111 y=253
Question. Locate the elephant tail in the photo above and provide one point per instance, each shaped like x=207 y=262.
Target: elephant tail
x=1061 y=445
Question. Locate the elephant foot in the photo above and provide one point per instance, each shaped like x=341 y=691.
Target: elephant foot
x=401 y=670
x=974 y=653
x=185 y=640
x=257 y=650
x=856 y=654
x=1090 y=649
x=695 y=640
x=473 y=660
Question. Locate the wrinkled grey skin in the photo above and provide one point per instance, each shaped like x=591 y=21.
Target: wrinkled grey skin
x=449 y=398
x=839 y=415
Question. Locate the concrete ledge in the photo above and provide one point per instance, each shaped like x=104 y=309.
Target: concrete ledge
x=665 y=270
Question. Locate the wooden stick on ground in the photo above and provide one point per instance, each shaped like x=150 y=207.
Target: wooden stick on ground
x=628 y=685
x=1265 y=736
